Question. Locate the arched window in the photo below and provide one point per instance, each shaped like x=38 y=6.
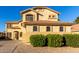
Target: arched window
x=29 y=17
x=61 y=28
x=48 y=28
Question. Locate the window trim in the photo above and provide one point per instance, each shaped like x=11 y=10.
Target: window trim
x=52 y=17
x=48 y=28
x=35 y=29
x=61 y=29
x=30 y=19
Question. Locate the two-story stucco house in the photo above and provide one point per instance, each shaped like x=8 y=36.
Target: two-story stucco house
x=37 y=20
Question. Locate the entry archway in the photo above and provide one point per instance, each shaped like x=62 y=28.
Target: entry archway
x=16 y=35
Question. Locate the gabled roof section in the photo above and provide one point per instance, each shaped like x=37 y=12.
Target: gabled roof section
x=38 y=7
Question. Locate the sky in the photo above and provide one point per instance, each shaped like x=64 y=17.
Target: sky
x=12 y=13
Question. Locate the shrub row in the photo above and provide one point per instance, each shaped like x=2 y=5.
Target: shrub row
x=72 y=40
x=37 y=40
x=52 y=40
x=55 y=40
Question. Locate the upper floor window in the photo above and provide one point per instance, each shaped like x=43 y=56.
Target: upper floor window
x=48 y=28
x=49 y=16
x=61 y=28
x=34 y=28
x=8 y=25
x=29 y=17
x=52 y=16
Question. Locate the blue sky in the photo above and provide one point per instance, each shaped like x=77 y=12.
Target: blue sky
x=12 y=13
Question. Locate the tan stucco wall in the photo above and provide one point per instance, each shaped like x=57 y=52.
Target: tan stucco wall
x=68 y=29
x=44 y=15
x=29 y=28
x=55 y=28
x=14 y=25
x=12 y=31
x=41 y=30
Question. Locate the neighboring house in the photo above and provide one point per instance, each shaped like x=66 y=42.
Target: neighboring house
x=2 y=34
x=37 y=20
x=75 y=28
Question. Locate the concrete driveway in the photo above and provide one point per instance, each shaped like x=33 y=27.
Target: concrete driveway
x=17 y=46
x=8 y=46
x=24 y=48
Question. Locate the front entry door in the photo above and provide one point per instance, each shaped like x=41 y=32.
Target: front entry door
x=16 y=35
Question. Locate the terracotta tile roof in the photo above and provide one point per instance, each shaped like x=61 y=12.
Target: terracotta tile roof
x=75 y=27
x=11 y=22
x=53 y=23
x=14 y=22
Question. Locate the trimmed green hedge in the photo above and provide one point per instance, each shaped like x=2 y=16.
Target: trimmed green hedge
x=72 y=40
x=38 y=40
x=54 y=40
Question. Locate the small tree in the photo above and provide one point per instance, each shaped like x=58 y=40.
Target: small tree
x=77 y=20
